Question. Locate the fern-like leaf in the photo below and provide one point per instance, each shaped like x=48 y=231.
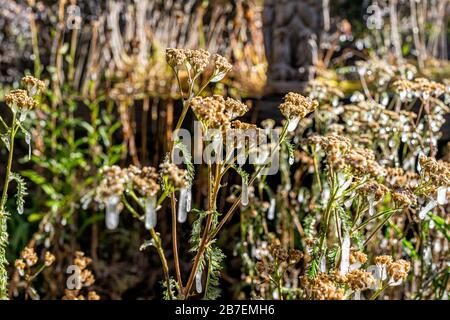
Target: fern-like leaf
x=211 y=261
x=187 y=160
x=244 y=174
x=290 y=148
x=3 y=262
x=214 y=257
x=169 y=290
x=21 y=191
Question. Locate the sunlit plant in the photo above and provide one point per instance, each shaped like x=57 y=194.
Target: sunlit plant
x=20 y=102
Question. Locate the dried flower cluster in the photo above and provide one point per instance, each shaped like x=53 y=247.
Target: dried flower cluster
x=420 y=88
x=113 y=182
x=216 y=112
x=197 y=59
x=437 y=173
x=28 y=268
x=322 y=288
x=18 y=100
x=398 y=270
x=34 y=86
x=221 y=64
x=144 y=180
x=174 y=176
x=297 y=106
x=85 y=279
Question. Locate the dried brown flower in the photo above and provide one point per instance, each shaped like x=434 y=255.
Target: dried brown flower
x=33 y=85
x=297 y=106
x=398 y=270
x=221 y=64
x=175 y=57
x=174 y=176
x=211 y=111
x=360 y=279
x=18 y=100
x=383 y=260
x=144 y=180
x=113 y=182
x=322 y=288
x=29 y=256
x=198 y=59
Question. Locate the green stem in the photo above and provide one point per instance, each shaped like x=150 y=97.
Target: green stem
x=9 y=164
x=156 y=239
x=3 y=218
x=379 y=291
x=316 y=171
x=378 y=228
x=375 y=217
x=3 y=123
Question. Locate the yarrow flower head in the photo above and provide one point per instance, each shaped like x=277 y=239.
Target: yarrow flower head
x=295 y=107
x=398 y=270
x=173 y=176
x=404 y=198
x=211 y=111
x=34 y=86
x=437 y=173
x=175 y=57
x=383 y=260
x=236 y=124
x=198 y=59
x=221 y=67
x=144 y=180
x=360 y=279
x=19 y=101
x=373 y=188
x=29 y=256
x=357 y=257
x=113 y=182
x=86 y=278
x=235 y=108
x=420 y=88
x=322 y=288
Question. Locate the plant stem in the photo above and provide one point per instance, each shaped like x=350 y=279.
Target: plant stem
x=156 y=240
x=174 y=241
x=165 y=266
x=316 y=170
x=238 y=200
x=379 y=291
x=9 y=164
x=378 y=228
x=3 y=216
x=375 y=217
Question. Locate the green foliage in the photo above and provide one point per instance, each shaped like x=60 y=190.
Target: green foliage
x=211 y=261
x=21 y=191
x=3 y=262
x=290 y=148
x=309 y=222
x=169 y=291
x=214 y=257
x=244 y=174
x=187 y=160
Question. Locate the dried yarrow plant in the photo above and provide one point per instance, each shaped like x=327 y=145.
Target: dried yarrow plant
x=359 y=180
x=19 y=102
x=147 y=188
